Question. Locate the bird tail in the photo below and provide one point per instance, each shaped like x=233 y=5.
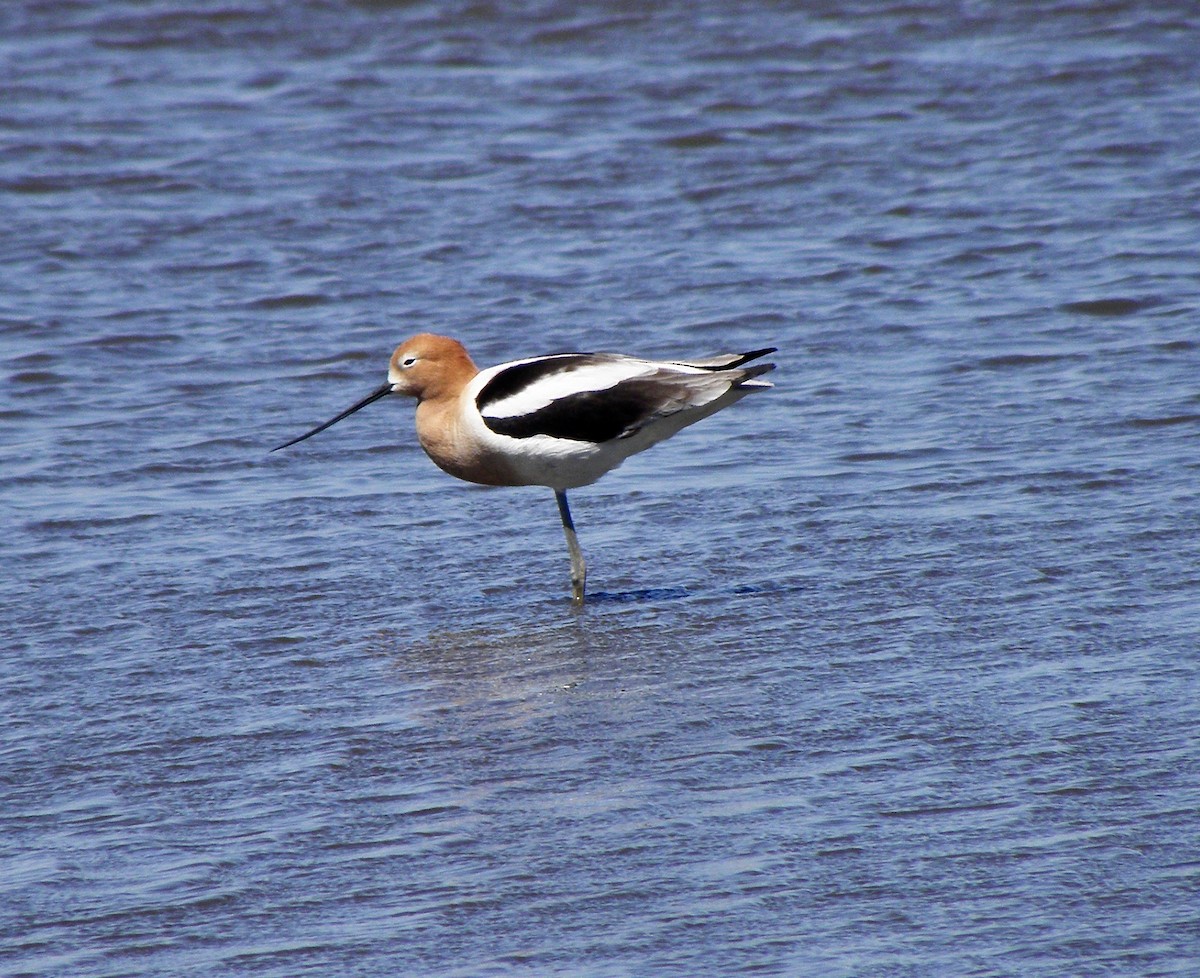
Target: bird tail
x=748 y=375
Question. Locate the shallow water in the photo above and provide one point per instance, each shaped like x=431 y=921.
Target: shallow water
x=890 y=671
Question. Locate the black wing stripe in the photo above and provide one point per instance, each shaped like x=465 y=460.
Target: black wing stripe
x=512 y=380
x=589 y=416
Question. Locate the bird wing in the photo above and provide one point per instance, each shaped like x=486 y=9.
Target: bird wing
x=592 y=397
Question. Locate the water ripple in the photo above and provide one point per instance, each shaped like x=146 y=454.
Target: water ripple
x=900 y=653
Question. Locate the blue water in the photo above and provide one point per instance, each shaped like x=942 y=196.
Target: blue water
x=890 y=671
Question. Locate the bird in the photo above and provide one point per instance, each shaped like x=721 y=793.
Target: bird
x=561 y=420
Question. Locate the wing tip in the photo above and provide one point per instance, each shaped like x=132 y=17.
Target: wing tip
x=728 y=361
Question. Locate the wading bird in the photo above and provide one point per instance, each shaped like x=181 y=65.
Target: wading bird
x=560 y=421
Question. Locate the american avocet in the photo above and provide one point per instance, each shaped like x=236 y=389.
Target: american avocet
x=560 y=421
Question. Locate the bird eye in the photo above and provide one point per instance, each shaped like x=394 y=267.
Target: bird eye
x=408 y=361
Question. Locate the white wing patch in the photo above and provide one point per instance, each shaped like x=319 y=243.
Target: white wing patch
x=552 y=387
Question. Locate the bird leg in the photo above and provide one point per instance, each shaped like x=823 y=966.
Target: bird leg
x=578 y=567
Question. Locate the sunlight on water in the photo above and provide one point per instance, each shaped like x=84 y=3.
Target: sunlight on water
x=891 y=671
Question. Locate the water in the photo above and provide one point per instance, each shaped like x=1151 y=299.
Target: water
x=890 y=671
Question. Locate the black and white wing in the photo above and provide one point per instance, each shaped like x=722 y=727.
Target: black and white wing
x=597 y=397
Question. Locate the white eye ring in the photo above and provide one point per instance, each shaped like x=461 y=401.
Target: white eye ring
x=408 y=362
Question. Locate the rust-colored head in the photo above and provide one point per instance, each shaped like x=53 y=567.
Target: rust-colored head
x=425 y=366
x=429 y=367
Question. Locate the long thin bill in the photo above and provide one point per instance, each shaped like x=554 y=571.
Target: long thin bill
x=370 y=398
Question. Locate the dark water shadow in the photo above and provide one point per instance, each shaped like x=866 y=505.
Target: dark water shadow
x=633 y=596
x=675 y=593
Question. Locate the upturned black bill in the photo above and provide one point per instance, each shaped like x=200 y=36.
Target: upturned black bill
x=373 y=396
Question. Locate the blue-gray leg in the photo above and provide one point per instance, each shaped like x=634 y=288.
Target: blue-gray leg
x=578 y=567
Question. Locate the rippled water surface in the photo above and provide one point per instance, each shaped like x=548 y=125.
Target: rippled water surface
x=890 y=671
